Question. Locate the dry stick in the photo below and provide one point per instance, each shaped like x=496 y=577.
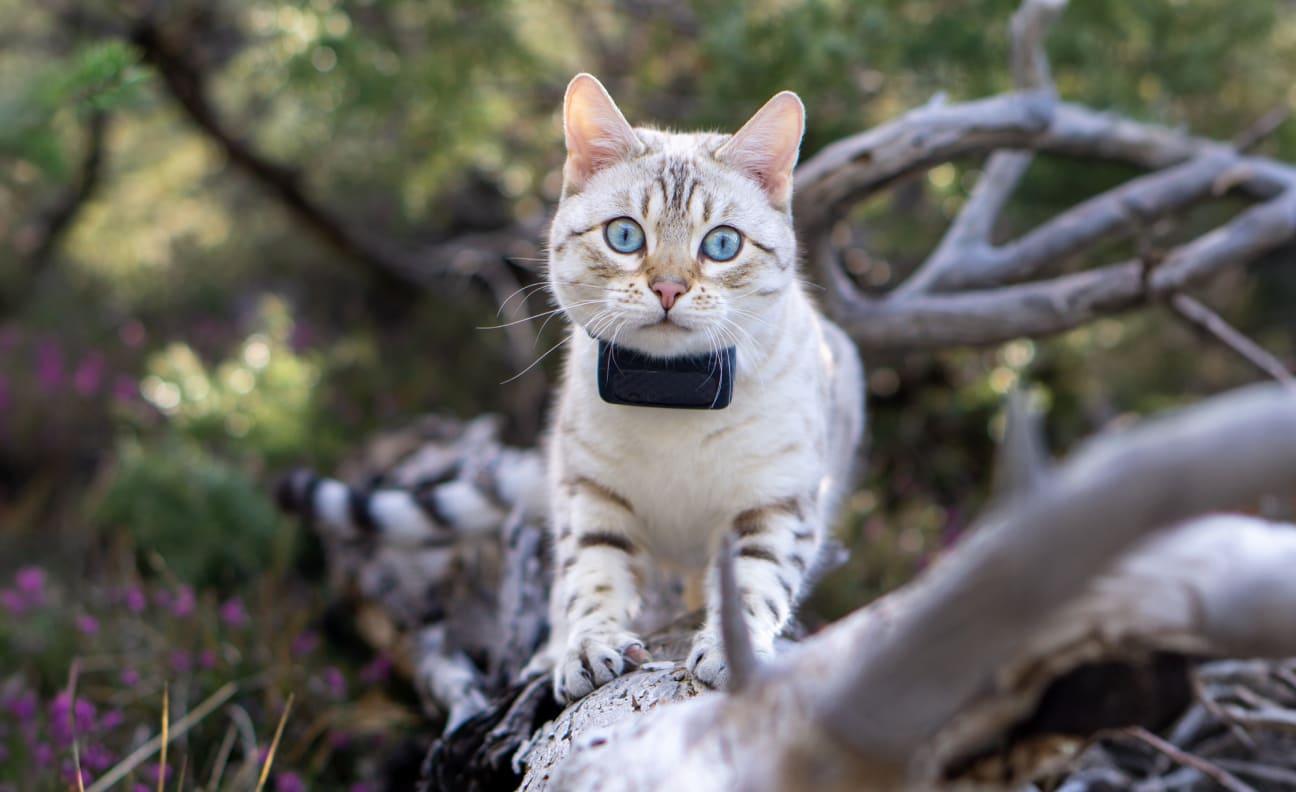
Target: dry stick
x=1204 y=318
x=222 y=757
x=1261 y=128
x=1022 y=463
x=1207 y=699
x=1269 y=718
x=166 y=719
x=1277 y=775
x=177 y=730
x=738 y=653
x=274 y=744
x=73 y=673
x=1216 y=774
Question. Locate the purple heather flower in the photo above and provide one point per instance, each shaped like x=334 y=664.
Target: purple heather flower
x=43 y=754
x=60 y=719
x=181 y=661
x=304 y=643
x=289 y=782
x=13 y=602
x=125 y=388
x=334 y=681
x=135 y=600
x=130 y=677
x=152 y=771
x=97 y=757
x=87 y=624
x=49 y=365
x=233 y=613
x=111 y=720
x=84 y=712
x=361 y=787
x=30 y=582
x=183 y=604
x=22 y=706
x=376 y=671
x=89 y=374
x=143 y=787
x=207 y=659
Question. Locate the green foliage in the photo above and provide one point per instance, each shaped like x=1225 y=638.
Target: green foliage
x=96 y=78
x=207 y=520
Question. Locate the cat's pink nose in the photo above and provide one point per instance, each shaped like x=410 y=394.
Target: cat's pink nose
x=668 y=290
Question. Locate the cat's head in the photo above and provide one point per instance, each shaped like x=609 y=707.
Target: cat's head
x=674 y=244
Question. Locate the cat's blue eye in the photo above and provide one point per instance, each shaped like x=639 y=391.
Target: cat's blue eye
x=624 y=235
x=721 y=243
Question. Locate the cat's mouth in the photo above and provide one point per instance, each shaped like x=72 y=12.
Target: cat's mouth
x=665 y=323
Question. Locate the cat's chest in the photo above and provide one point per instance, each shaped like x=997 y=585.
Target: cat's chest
x=688 y=473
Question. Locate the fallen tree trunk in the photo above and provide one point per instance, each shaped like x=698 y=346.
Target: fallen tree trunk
x=942 y=682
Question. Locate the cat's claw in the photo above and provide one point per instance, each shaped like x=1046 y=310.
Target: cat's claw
x=706 y=662
x=595 y=661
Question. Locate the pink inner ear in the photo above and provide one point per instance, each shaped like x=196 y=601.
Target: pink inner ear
x=766 y=147
x=597 y=134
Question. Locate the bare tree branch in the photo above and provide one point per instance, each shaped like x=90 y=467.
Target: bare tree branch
x=1203 y=318
x=1044 y=307
x=416 y=266
x=953 y=662
x=43 y=240
x=1004 y=170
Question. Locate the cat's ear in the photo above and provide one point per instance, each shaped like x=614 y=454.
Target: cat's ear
x=766 y=147
x=597 y=134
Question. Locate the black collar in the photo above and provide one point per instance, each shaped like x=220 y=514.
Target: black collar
x=694 y=382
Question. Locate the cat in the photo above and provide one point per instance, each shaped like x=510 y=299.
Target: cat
x=674 y=247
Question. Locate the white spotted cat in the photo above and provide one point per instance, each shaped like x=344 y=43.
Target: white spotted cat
x=675 y=245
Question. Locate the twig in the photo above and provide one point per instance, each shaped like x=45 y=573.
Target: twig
x=733 y=627
x=274 y=744
x=1206 y=698
x=1267 y=773
x=222 y=757
x=1216 y=774
x=1269 y=718
x=1021 y=463
x=1262 y=128
x=1203 y=318
x=166 y=721
x=177 y=730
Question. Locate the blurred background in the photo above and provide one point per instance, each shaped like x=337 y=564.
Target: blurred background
x=243 y=235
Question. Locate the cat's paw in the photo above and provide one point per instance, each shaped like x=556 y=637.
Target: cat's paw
x=706 y=661
x=596 y=660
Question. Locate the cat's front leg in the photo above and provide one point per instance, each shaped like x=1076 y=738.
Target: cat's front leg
x=774 y=546
x=595 y=592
